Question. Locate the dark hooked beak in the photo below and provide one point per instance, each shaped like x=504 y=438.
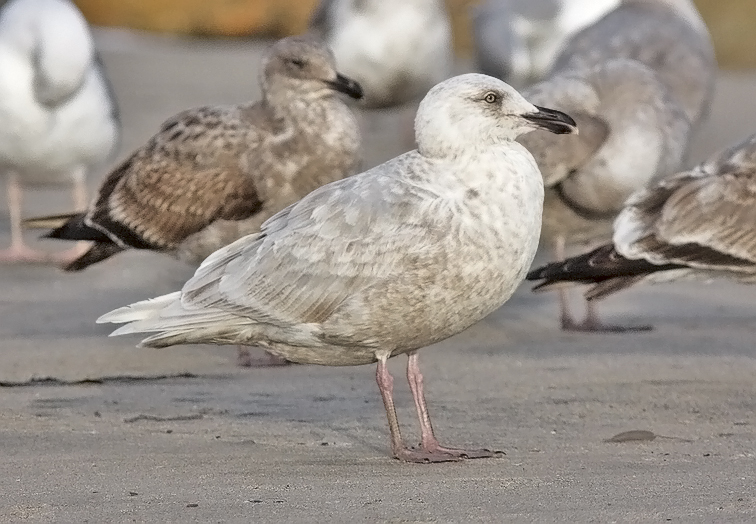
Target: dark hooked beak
x=347 y=86
x=553 y=120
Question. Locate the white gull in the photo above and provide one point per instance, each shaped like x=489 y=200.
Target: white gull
x=385 y=262
x=58 y=114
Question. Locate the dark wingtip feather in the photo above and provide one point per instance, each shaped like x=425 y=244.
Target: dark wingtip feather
x=583 y=268
x=97 y=253
x=604 y=267
x=47 y=222
x=74 y=227
x=611 y=286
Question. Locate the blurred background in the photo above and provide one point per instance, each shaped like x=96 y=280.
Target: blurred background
x=158 y=67
x=731 y=22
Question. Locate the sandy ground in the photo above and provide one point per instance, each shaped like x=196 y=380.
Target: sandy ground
x=93 y=430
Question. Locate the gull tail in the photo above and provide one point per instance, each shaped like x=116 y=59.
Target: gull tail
x=97 y=253
x=604 y=267
x=49 y=222
x=166 y=316
x=71 y=226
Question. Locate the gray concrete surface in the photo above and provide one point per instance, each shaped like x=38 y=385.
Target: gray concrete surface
x=94 y=430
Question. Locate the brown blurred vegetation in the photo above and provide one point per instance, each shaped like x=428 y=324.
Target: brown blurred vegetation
x=732 y=22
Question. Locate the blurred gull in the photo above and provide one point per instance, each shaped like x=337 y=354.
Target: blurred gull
x=632 y=131
x=396 y=49
x=59 y=117
x=518 y=40
x=668 y=36
x=698 y=223
x=214 y=174
x=385 y=262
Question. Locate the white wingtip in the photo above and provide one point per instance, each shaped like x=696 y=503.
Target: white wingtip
x=138 y=311
x=112 y=316
x=123 y=330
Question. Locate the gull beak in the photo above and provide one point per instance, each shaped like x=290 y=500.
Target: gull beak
x=553 y=120
x=346 y=85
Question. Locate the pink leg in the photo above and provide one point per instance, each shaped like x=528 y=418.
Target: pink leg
x=245 y=360
x=386 y=386
x=18 y=252
x=428 y=441
x=593 y=323
x=566 y=319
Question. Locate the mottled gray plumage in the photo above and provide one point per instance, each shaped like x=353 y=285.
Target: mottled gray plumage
x=667 y=36
x=632 y=131
x=700 y=222
x=384 y=262
x=396 y=49
x=214 y=174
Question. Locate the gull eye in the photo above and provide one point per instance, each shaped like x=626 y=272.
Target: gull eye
x=298 y=62
x=491 y=98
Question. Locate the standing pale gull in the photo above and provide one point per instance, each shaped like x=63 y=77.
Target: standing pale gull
x=632 y=131
x=668 y=36
x=698 y=223
x=214 y=174
x=58 y=114
x=385 y=262
x=396 y=49
x=518 y=40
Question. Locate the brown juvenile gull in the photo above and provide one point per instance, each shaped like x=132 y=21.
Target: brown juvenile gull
x=214 y=174
x=668 y=36
x=698 y=223
x=632 y=132
x=385 y=262
x=58 y=115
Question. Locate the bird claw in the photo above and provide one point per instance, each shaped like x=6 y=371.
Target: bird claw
x=466 y=453
x=420 y=456
x=435 y=454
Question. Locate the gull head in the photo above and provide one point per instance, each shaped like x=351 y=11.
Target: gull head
x=473 y=111
x=303 y=67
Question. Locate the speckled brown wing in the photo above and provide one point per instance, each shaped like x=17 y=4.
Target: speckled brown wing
x=702 y=220
x=710 y=222
x=705 y=224
x=189 y=175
